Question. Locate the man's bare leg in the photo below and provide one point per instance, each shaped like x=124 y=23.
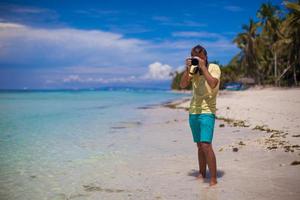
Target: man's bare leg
x=201 y=162
x=211 y=162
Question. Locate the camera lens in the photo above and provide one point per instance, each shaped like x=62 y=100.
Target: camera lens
x=195 y=61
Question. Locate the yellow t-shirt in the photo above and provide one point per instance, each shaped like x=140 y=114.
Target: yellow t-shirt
x=204 y=97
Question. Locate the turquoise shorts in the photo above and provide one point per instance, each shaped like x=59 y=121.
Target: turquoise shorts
x=202 y=126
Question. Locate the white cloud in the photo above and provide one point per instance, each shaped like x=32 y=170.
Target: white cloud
x=200 y=34
x=180 y=68
x=80 y=79
x=158 y=71
x=98 y=50
x=10 y=25
x=233 y=8
x=163 y=20
x=72 y=78
x=68 y=47
x=65 y=55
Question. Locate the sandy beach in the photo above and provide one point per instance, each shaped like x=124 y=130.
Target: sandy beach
x=162 y=160
x=153 y=156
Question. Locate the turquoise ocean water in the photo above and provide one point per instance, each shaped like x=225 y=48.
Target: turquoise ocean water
x=45 y=134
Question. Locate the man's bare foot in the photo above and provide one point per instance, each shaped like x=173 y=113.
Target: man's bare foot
x=213 y=182
x=200 y=176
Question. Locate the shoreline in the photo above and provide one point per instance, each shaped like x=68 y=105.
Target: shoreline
x=164 y=154
x=154 y=157
x=237 y=108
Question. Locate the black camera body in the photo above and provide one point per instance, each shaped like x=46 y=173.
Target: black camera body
x=195 y=61
x=195 y=66
x=196 y=69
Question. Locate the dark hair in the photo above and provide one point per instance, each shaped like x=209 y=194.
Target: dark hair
x=200 y=49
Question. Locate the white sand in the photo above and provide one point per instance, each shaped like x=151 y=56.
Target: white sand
x=158 y=160
x=275 y=107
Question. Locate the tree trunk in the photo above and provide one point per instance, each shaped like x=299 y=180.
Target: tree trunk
x=275 y=67
x=295 y=75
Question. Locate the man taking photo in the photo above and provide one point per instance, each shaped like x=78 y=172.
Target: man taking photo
x=205 y=80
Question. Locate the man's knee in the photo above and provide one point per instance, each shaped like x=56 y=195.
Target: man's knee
x=205 y=146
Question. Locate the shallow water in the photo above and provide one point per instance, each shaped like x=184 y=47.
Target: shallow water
x=51 y=141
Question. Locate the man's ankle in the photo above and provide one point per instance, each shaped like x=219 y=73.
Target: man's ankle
x=202 y=173
x=213 y=181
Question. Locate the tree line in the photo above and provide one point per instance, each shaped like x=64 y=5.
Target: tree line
x=269 y=48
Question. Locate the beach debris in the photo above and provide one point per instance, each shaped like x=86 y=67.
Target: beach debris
x=268 y=130
x=234 y=122
x=295 y=162
x=228 y=108
x=127 y=124
x=235 y=149
x=221 y=149
x=176 y=104
x=276 y=140
x=241 y=143
x=76 y=196
x=117 y=127
x=145 y=107
x=275 y=143
x=92 y=188
x=132 y=123
x=296 y=135
x=288 y=148
x=221 y=125
x=272 y=147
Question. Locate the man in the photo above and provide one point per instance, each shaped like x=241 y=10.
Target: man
x=205 y=84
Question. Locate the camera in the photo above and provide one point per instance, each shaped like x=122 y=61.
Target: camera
x=194 y=67
x=195 y=61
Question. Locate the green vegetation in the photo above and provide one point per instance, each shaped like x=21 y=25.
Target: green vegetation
x=176 y=82
x=269 y=48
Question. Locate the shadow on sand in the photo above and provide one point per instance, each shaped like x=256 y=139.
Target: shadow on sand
x=195 y=173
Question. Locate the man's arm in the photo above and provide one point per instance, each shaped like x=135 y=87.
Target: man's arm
x=185 y=79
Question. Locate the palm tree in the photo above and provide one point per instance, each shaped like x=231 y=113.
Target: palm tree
x=247 y=41
x=292 y=28
x=269 y=16
x=288 y=43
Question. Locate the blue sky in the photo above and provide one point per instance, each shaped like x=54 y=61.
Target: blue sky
x=85 y=44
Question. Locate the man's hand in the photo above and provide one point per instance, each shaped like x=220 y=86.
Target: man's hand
x=212 y=81
x=185 y=79
x=202 y=63
x=188 y=64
